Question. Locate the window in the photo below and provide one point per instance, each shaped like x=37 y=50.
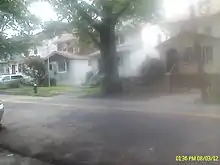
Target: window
x=35 y=51
x=188 y=55
x=16 y=77
x=6 y=78
x=51 y=67
x=120 y=60
x=13 y=70
x=19 y=68
x=207 y=54
x=122 y=39
x=68 y=44
x=70 y=49
x=62 y=66
x=59 y=47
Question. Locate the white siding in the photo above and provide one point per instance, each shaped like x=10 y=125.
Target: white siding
x=214 y=65
x=78 y=70
x=216 y=29
x=94 y=64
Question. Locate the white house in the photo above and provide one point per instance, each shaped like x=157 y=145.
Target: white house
x=131 y=53
x=12 y=65
x=65 y=63
x=67 y=68
x=47 y=47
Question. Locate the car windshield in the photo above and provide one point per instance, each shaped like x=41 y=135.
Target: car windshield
x=110 y=82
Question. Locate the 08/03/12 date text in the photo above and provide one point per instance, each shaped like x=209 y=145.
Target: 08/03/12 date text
x=197 y=158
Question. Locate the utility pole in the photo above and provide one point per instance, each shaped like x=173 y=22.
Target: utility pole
x=48 y=66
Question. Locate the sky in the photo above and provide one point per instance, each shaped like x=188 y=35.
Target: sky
x=177 y=8
x=43 y=10
x=173 y=8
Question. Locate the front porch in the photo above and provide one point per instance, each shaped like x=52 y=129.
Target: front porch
x=179 y=55
x=182 y=62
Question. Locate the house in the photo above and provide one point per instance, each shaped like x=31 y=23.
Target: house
x=178 y=51
x=46 y=47
x=65 y=64
x=131 y=53
x=67 y=68
x=12 y=65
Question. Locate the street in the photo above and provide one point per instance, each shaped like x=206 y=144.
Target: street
x=93 y=132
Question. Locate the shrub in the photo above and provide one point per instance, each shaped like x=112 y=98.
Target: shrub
x=35 y=68
x=27 y=82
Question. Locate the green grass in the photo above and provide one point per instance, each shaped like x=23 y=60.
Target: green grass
x=42 y=91
x=82 y=92
x=214 y=98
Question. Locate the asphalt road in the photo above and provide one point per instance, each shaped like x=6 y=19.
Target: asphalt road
x=109 y=136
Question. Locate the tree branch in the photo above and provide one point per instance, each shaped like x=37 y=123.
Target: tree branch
x=5 y=22
x=94 y=39
x=92 y=8
x=87 y=17
x=126 y=6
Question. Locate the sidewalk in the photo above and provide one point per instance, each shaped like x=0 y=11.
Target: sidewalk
x=177 y=104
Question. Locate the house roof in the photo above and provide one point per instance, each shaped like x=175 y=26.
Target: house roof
x=188 y=36
x=201 y=18
x=64 y=38
x=67 y=55
x=120 y=48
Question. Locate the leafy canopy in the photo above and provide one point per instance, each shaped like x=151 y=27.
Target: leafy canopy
x=16 y=25
x=89 y=16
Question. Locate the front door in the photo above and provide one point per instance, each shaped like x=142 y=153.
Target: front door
x=53 y=69
x=171 y=60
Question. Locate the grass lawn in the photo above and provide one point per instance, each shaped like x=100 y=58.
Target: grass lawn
x=83 y=92
x=42 y=91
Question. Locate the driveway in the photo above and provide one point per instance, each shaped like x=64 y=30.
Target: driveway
x=99 y=132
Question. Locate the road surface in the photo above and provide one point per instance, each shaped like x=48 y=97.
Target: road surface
x=99 y=132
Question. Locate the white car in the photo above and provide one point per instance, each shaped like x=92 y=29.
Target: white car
x=1 y=111
x=8 y=79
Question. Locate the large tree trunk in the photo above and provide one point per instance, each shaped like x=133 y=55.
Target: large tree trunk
x=109 y=60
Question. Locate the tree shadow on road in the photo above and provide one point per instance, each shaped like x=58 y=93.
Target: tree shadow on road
x=125 y=138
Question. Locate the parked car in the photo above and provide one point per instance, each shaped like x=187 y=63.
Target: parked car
x=1 y=111
x=13 y=79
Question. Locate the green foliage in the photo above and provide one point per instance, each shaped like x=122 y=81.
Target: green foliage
x=35 y=68
x=15 y=17
x=27 y=82
x=87 y=16
x=54 y=28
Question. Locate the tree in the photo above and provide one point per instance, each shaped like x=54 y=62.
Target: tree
x=16 y=19
x=99 y=18
x=35 y=68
